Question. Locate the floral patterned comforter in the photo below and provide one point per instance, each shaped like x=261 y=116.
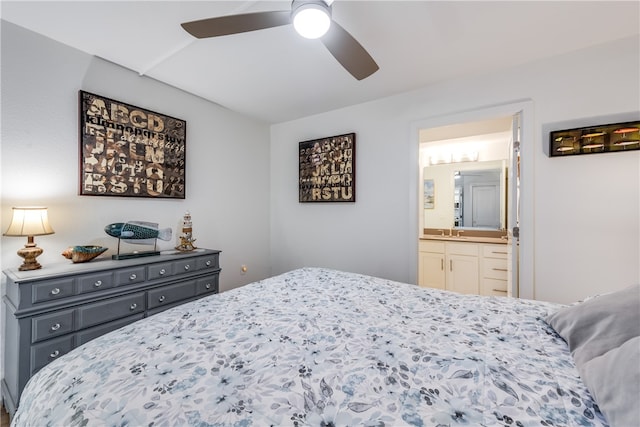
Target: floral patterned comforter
x=321 y=347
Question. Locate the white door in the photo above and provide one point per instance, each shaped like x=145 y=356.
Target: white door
x=513 y=209
x=485 y=210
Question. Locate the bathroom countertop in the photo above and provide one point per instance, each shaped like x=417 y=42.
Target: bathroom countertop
x=473 y=239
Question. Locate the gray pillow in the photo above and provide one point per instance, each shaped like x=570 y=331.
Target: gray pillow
x=600 y=324
x=614 y=382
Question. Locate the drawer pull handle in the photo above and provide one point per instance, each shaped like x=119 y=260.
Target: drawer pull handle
x=162 y=272
x=500 y=269
x=133 y=306
x=55 y=354
x=98 y=283
x=55 y=327
x=133 y=276
x=499 y=290
x=161 y=298
x=497 y=252
x=55 y=291
x=187 y=267
x=208 y=263
x=208 y=286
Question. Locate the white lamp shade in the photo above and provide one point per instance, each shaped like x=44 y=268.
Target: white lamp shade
x=311 y=20
x=29 y=222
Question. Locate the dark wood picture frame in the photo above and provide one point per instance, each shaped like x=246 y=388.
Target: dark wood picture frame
x=327 y=169
x=610 y=138
x=129 y=151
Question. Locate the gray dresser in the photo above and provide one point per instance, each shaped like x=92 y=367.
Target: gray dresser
x=49 y=312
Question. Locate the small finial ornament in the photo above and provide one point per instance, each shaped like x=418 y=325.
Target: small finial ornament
x=186 y=238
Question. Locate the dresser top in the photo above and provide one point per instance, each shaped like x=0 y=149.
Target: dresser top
x=69 y=268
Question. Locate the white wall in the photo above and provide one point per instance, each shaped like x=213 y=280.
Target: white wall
x=227 y=160
x=584 y=213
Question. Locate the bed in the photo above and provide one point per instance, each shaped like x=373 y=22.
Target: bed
x=322 y=347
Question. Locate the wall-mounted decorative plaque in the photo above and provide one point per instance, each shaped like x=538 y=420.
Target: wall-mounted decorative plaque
x=130 y=151
x=328 y=169
x=595 y=139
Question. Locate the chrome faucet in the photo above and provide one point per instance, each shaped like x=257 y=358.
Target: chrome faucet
x=459 y=232
x=441 y=232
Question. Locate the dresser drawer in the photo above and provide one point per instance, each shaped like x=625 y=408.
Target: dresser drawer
x=207 y=285
x=156 y=271
x=91 y=333
x=185 y=266
x=129 y=276
x=43 y=353
x=51 y=325
x=51 y=290
x=209 y=261
x=494 y=268
x=105 y=311
x=94 y=282
x=170 y=294
x=494 y=251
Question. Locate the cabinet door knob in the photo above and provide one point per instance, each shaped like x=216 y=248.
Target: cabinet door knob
x=133 y=276
x=208 y=286
x=161 y=298
x=55 y=291
x=208 y=263
x=186 y=267
x=98 y=283
x=133 y=306
x=54 y=354
x=55 y=327
x=162 y=272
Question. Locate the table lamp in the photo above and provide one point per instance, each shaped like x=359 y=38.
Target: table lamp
x=29 y=222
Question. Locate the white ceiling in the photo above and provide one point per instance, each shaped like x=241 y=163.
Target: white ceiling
x=274 y=75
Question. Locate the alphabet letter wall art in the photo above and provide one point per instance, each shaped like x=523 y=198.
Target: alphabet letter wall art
x=327 y=169
x=129 y=151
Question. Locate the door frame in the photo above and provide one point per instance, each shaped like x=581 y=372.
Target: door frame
x=526 y=253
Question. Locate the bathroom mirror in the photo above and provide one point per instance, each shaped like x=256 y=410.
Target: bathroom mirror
x=469 y=195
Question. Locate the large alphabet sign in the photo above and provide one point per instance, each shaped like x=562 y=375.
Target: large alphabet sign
x=130 y=151
x=328 y=169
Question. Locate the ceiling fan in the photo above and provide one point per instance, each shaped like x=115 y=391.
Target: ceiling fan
x=346 y=49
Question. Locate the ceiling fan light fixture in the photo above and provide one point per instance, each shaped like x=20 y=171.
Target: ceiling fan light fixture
x=311 y=19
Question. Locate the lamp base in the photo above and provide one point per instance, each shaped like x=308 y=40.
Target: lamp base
x=30 y=252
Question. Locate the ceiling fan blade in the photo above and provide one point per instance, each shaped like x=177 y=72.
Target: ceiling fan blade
x=234 y=24
x=349 y=53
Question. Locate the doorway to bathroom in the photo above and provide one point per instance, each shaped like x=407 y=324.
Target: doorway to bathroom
x=488 y=148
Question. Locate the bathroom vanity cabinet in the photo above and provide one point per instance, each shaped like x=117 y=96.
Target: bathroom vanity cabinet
x=465 y=267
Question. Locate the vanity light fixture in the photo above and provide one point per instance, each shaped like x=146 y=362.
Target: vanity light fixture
x=440 y=159
x=29 y=222
x=469 y=156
